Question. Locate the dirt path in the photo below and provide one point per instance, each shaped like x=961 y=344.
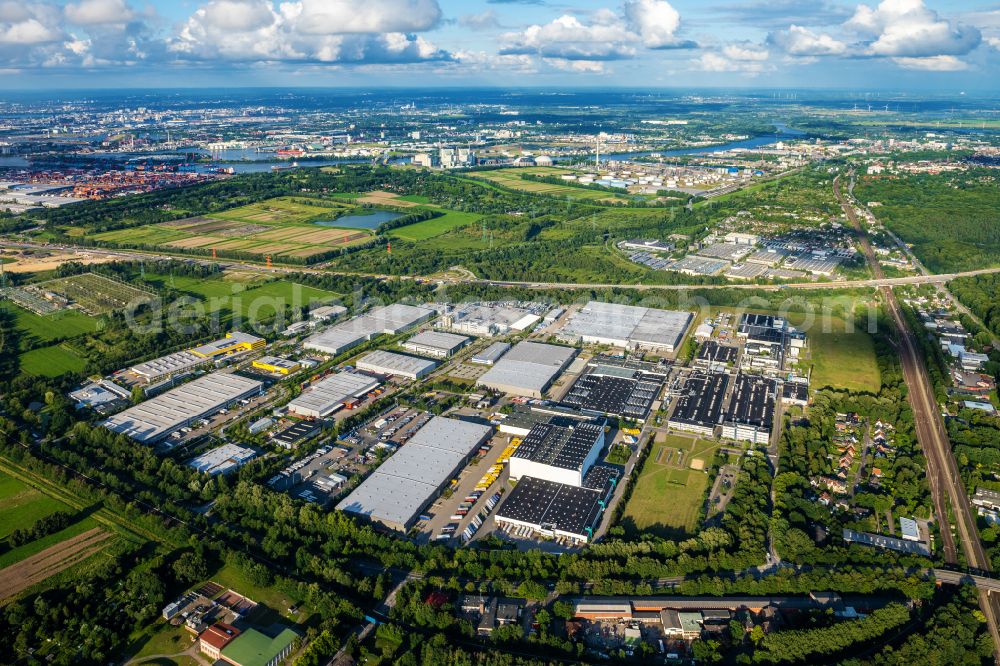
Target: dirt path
x=52 y=560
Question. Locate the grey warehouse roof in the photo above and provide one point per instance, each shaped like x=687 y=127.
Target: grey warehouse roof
x=389 y=363
x=438 y=340
x=627 y=325
x=528 y=366
x=326 y=396
x=397 y=491
x=159 y=416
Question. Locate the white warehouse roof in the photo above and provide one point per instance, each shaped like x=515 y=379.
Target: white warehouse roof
x=158 y=417
x=327 y=396
x=445 y=342
x=389 y=319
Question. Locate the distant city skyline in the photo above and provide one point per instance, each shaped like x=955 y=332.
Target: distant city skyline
x=897 y=44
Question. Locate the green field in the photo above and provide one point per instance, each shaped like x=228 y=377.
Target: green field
x=38 y=545
x=226 y=294
x=51 y=361
x=21 y=505
x=668 y=496
x=431 y=228
x=843 y=360
x=67 y=323
x=511 y=178
x=280 y=210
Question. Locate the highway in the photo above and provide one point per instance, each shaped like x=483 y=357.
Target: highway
x=468 y=278
x=942 y=470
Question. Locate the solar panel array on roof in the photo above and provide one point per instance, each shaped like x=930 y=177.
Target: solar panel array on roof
x=558 y=446
x=713 y=352
x=624 y=392
x=552 y=506
x=700 y=403
x=753 y=401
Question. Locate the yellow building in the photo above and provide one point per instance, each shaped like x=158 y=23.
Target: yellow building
x=279 y=366
x=233 y=342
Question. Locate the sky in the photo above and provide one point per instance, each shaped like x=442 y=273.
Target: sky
x=927 y=45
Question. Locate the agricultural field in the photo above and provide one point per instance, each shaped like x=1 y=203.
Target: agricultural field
x=279 y=227
x=670 y=490
x=33 y=570
x=511 y=178
x=51 y=361
x=21 y=505
x=95 y=294
x=843 y=360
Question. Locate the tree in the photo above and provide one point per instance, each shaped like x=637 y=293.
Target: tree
x=190 y=568
x=138 y=394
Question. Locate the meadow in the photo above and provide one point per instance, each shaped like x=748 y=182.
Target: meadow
x=51 y=361
x=843 y=360
x=21 y=505
x=67 y=323
x=669 y=494
x=511 y=178
x=435 y=227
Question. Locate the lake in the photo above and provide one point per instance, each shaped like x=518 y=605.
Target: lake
x=369 y=221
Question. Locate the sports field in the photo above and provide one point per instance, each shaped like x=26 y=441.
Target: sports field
x=843 y=360
x=669 y=492
x=66 y=323
x=21 y=505
x=51 y=361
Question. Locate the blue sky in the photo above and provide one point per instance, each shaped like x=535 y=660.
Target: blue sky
x=892 y=44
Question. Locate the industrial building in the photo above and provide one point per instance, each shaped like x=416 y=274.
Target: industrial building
x=764 y=341
x=222 y=460
x=616 y=390
x=276 y=365
x=165 y=366
x=234 y=342
x=491 y=354
x=559 y=453
x=435 y=343
x=254 y=648
x=528 y=369
x=296 y=433
x=329 y=394
x=388 y=320
x=795 y=393
x=558 y=510
x=154 y=419
x=522 y=418
x=699 y=407
x=715 y=356
x=490 y=319
x=381 y=362
x=628 y=326
x=750 y=416
x=396 y=492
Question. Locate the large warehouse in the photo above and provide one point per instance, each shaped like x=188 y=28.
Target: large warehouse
x=396 y=492
x=627 y=326
x=562 y=454
x=699 y=408
x=617 y=389
x=388 y=320
x=435 y=343
x=528 y=369
x=328 y=395
x=556 y=509
x=489 y=319
x=751 y=411
x=381 y=362
x=152 y=420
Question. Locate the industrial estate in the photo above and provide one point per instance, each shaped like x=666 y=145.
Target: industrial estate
x=443 y=378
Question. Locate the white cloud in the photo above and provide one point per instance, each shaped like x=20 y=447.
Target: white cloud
x=907 y=28
x=482 y=21
x=801 y=41
x=338 y=17
x=604 y=35
x=993 y=42
x=738 y=57
x=253 y=31
x=568 y=38
x=656 y=22
x=941 y=63
x=28 y=32
x=577 y=66
x=99 y=12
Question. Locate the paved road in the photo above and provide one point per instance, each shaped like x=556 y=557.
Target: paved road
x=879 y=281
x=942 y=470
